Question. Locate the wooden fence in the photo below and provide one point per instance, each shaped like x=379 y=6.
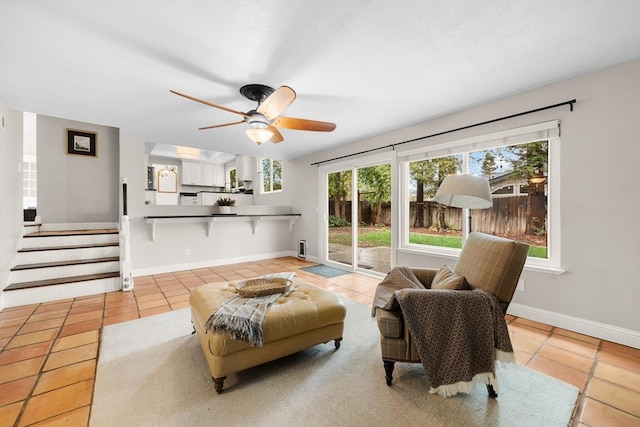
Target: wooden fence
x=508 y=216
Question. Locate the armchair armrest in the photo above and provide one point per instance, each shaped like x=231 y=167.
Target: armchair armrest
x=390 y=323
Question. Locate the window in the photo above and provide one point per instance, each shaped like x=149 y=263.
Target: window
x=271 y=175
x=233 y=180
x=29 y=185
x=518 y=165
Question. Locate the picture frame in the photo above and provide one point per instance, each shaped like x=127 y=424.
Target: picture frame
x=81 y=142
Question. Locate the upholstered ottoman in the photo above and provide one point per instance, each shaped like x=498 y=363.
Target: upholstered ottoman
x=305 y=317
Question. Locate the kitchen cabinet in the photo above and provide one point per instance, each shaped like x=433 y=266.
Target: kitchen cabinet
x=245 y=168
x=203 y=174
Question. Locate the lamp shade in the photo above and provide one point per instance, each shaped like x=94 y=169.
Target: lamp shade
x=464 y=191
x=259 y=135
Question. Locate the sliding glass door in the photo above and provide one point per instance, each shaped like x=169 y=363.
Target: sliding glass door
x=359 y=218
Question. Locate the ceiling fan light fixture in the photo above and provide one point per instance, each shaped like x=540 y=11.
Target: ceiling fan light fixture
x=258 y=135
x=187 y=152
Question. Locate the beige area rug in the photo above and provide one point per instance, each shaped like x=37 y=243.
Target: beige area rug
x=151 y=372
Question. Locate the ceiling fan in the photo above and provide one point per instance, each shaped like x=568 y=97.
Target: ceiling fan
x=265 y=119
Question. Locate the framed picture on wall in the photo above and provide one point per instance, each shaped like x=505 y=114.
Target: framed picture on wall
x=82 y=142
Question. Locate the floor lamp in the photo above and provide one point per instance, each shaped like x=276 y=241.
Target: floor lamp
x=464 y=191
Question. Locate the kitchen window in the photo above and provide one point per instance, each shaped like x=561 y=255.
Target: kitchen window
x=271 y=173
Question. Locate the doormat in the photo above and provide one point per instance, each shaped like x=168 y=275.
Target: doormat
x=325 y=270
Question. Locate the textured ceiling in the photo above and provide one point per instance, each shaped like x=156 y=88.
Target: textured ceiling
x=368 y=66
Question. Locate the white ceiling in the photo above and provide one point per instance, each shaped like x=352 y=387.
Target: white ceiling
x=368 y=66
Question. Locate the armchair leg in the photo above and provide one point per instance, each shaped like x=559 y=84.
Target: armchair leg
x=388 y=370
x=492 y=392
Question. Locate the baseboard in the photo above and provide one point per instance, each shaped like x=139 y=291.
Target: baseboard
x=583 y=326
x=137 y=272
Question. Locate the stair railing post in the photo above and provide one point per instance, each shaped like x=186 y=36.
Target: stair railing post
x=125 y=251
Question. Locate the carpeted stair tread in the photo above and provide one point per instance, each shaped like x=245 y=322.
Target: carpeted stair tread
x=55 y=248
x=61 y=281
x=53 y=233
x=64 y=263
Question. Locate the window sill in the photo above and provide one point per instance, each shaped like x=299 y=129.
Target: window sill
x=452 y=254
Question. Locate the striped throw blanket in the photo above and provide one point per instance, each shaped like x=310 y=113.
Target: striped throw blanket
x=241 y=318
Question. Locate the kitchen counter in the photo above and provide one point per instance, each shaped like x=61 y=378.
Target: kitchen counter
x=209 y=220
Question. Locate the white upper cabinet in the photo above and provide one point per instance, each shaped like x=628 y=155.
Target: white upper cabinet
x=205 y=174
x=245 y=168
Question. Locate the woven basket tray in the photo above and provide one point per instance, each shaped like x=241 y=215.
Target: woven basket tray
x=263 y=286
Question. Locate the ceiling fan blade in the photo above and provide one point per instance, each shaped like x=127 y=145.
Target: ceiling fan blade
x=221 y=126
x=277 y=136
x=303 y=124
x=210 y=104
x=277 y=102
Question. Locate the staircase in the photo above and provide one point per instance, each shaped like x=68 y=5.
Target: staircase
x=58 y=264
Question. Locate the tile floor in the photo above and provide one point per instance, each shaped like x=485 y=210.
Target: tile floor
x=48 y=352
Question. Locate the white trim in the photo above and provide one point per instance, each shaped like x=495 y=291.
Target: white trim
x=544 y=130
x=583 y=326
x=160 y=269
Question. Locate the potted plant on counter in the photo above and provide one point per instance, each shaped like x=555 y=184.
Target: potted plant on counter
x=224 y=205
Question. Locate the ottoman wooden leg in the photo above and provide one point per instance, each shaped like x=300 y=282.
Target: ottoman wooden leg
x=218 y=383
x=337 y=340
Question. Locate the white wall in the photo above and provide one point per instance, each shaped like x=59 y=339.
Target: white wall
x=600 y=192
x=10 y=191
x=74 y=188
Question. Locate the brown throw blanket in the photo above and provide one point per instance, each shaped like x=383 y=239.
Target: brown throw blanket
x=398 y=278
x=459 y=335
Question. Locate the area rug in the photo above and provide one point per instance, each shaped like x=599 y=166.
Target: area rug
x=325 y=270
x=151 y=372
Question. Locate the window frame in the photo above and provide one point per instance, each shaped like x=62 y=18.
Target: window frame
x=465 y=146
x=262 y=178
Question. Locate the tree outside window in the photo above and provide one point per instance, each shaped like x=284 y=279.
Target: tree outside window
x=271 y=175
x=518 y=176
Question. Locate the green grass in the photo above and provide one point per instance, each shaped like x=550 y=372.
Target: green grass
x=383 y=238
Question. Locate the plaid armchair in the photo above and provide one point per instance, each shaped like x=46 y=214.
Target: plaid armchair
x=486 y=262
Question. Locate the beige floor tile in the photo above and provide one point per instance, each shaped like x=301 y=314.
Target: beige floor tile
x=560 y=371
x=25 y=352
x=41 y=326
x=120 y=318
x=75 y=340
x=155 y=310
x=128 y=308
x=9 y=414
x=76 y=417
x=619 y=376
x=152 y=304
x=24 y=368
x=78 y=328
x=71 y=356
x=574 y=346
x=576 y=361
x=78 y=318
x=150 y=297
x=611 y=346
x=516 y=329
x=66 y=375
x=614 y=395
x=56 y=402
x=17 y=390
x=525 y=344
x=32 y=338
x=622 y=360
x=577 y=336
x=595 y=413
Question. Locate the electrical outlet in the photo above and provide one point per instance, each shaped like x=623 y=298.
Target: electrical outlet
x=187 y=252
x=520 y=286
